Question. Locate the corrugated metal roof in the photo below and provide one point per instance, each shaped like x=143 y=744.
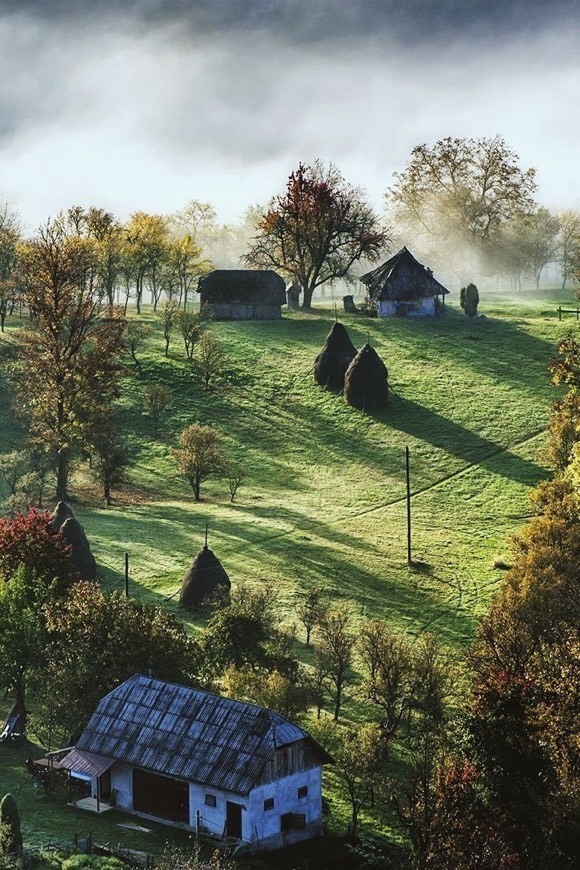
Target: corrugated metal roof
x=86 y=762
x=187 y=733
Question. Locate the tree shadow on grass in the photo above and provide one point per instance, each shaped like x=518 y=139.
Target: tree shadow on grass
x=442 y=433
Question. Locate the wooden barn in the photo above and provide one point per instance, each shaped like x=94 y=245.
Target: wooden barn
x=207 y=763
x=242 y=294
x=403 y=287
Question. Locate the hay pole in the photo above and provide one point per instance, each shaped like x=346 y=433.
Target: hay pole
x=408 y=476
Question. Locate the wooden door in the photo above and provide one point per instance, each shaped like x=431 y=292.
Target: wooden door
x=233 y=820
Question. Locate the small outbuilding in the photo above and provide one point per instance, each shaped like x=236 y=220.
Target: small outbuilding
x=335 y=357
x=205 y=578
x=242 y=294
x=366 y=385
x=403 y=287
x=224 y=767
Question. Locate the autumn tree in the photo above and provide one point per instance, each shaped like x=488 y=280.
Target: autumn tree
x=157 y=399
x=388 y=661
x=145 y=252
x=569 y=243
x=110 y=455
x=209 y=358
x=317 y=229
x=136 y=334
x=168 y=314
x=359 y=760
x=10 y=234
x=95 y=641
x=311 y=607
x=69 y=359
x=199 y=455
x=336 y=644
x=191 y=326
x=28 y=540
x=454 y=196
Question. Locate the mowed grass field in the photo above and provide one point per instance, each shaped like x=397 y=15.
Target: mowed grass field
x=323 y=501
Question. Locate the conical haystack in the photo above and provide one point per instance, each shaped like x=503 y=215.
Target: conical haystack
x=61 y=513
x=366 y=381
x=82 y=560
x=205 y=578
x=335 y=357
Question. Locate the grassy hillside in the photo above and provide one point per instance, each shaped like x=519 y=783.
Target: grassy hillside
x=324 y=498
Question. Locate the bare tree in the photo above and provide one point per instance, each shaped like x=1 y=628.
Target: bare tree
x=157 y=399
x=235 y=477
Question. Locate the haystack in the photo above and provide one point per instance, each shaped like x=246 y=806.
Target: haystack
x=62 y=512
x=335 y=357
x=82 y=560
x=366 y=381
x=205 y=578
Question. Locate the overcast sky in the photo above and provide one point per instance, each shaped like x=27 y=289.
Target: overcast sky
x=146 y=104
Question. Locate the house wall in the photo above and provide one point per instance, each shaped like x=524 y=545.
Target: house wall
x=257 y=824
x=423 y=307
x=122 y=782
x=263 y=824
x=235 y=311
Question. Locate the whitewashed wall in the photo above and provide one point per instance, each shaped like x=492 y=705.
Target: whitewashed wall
x=425 y=308
x=122 y=782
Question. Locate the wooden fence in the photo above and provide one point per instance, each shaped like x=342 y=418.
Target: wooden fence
x=562 y=311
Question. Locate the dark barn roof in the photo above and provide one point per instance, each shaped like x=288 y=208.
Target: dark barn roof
x=243 y=286
x=402 y=277
x=188 y=734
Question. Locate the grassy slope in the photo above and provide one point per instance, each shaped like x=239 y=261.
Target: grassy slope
x=324 y=496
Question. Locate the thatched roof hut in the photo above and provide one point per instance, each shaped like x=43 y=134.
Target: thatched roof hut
x=366 y=381
x=205 y=578
x=82 y=560
x=335 y=357
x=404 y=287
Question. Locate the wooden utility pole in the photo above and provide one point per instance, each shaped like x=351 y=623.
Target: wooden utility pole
x=408 y=471
x=126 y=575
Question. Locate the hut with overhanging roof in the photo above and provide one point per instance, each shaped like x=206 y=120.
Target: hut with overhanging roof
x=403 y=287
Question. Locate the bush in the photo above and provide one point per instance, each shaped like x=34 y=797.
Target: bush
x=10 y=835
x=469 y=299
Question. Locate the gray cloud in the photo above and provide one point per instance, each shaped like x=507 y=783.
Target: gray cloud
x=147 y=104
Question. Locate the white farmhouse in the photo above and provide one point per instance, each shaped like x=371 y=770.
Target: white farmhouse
x=188 y=757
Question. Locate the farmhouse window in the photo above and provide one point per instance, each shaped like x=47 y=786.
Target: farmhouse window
x=303 y=791
x=210 y=800
x=269 y=804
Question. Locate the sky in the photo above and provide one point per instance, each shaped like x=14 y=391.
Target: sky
x=146 y=104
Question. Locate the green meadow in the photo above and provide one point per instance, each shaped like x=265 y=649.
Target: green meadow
x=324 y=497
x=323 y=500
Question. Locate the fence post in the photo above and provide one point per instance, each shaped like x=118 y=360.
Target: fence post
x=559 y=312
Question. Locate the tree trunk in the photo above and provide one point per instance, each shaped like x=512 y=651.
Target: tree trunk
x=307 y=297
x=20 y=704
x=62 y=472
